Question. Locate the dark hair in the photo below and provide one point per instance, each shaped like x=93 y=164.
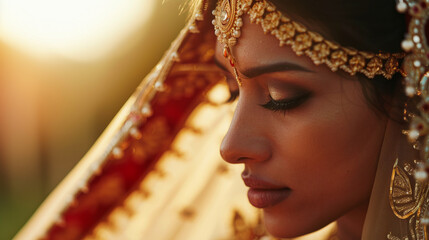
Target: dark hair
x=366 y=25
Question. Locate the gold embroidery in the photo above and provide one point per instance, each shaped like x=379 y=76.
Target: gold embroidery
x=407 y=202
x=243 y=230
x=402 y=201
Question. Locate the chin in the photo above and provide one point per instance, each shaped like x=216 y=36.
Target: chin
x=281 y=226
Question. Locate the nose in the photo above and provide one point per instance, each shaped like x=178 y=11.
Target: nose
x=246 y=140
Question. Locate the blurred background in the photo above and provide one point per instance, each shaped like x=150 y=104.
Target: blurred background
x=66 y=68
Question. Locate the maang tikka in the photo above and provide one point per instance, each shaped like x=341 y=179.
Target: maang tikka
x=228 y=23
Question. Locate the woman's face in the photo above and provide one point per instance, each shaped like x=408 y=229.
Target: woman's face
x=307 y=138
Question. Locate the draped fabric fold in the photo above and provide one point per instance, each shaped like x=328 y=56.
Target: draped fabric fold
x=155 y=173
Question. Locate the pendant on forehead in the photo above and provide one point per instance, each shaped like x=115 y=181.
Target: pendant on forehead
x=228 y=23
x=226 y=27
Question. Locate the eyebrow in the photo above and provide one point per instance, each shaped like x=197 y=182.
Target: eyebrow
x=268 y=68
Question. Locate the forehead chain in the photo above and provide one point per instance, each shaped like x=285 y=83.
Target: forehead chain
x=228 y=22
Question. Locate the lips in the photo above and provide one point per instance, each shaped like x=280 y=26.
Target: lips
x=264 y=194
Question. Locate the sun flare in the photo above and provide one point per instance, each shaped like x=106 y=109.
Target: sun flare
x=78 y=29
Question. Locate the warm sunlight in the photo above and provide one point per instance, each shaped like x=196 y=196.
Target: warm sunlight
x=80 y=29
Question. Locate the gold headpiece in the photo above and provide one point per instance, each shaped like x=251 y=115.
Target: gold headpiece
x=228 y=21
x=227 y=24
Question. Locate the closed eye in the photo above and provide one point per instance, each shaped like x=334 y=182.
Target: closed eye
x=233 y=95
x=232 y=86
x=285 y=104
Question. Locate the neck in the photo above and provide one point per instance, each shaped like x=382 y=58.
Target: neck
x=349 y=226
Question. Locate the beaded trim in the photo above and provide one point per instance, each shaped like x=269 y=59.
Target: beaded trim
x=416 y=66
x=227 y=24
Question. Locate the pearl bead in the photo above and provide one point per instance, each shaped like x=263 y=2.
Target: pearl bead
x=410 y=91
x=413 y=135
x=424 y=221
x=193 y=29
x=236 y=34
x=407 y=45
x=417 y=63
x=159 y=86
x=147 y=110
x=416 y=39
x=420 y=175
x=135 y=133
x=199 y=16
x=117 y=153
x=401 y=7
x=128 y=124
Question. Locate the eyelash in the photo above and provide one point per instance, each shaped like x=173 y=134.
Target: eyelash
x=275 y=105
x=233 y=96
x=285 y=104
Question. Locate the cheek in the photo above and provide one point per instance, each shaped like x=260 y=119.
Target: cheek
x=332 y=135
x=335 y=153
x=327 y=153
